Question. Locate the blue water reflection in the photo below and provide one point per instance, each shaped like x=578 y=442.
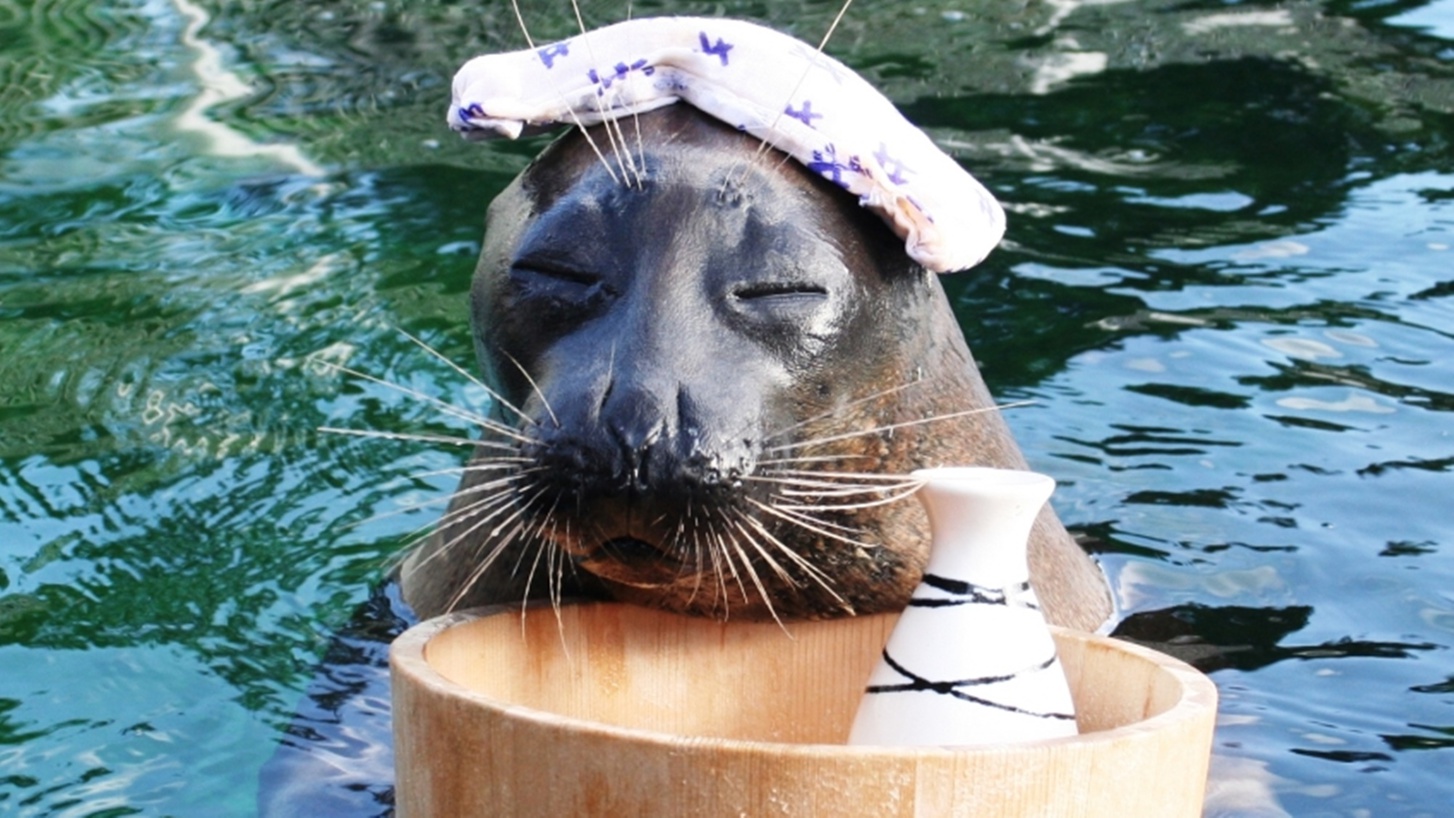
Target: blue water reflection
x=1436 y=19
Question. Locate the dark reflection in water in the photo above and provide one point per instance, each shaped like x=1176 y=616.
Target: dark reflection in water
x=1230 y=636
x=1226 y=286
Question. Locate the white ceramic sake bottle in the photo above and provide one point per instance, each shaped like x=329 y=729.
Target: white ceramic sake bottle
x=971 y=661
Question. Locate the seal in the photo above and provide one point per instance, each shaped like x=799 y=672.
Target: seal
x=715 y=375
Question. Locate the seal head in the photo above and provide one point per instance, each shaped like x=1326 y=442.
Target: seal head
x=723 y=374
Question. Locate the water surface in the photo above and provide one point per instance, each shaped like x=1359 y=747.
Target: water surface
x=1228 y=285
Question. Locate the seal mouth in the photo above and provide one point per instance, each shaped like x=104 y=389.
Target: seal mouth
x=631 y=550
x=633 y=561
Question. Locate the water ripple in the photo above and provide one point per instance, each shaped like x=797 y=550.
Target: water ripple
x=42 y=69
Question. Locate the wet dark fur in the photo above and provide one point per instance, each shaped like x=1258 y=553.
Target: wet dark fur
x=715 y=369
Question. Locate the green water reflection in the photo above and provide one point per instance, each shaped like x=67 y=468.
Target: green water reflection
x=1227 y=284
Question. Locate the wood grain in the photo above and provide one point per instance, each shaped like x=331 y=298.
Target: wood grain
x=615 y=710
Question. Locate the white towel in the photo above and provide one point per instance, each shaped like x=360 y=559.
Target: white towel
x=768 y=84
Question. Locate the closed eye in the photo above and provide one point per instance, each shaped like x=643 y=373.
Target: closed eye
x=559 y=291
x=758 y=290
x=555 y=271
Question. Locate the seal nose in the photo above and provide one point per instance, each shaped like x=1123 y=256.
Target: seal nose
x=659 y=451
x=638 y=425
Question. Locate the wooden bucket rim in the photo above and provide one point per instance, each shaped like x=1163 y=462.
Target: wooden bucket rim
x=1198 y=698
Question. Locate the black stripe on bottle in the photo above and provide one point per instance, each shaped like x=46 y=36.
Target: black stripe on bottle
x=967 y=593
x=918 y=683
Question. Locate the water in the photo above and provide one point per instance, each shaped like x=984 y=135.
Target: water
x=1227 y=284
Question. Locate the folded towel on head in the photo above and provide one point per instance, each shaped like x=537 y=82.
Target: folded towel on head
x=775 y=87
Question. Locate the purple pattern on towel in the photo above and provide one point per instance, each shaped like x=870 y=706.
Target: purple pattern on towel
x=720 y=49
x=471 y=111
x=826 y=164
x=621 y=70
x=804 y=114
x=550 y=53
x=761 y=82
x=895 y=169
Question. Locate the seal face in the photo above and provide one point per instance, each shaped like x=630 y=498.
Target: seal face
x=718 y=378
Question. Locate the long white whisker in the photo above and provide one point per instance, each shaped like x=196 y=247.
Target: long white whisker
x=469 y=376
x=444 y=406
x=883 y=501
x=476 y=574
x=802 y=459
x=832 y=28
x=475 y=466
x=807 y=486
x=782 y=573
x=636 y=123
x=800 y=487
x=416 y=437
x=574 y=118
x=515 y=518
x=763 y=144
x=699 y=525
x=801 y=514
x=600 y=99
x=500 y=547
x=538 y=535
x=520 y=18
x=809 y=473
x=625 y=156
x=892 y=426
x=731 y=564
x=543 y=548
x=752 y=575
x=797 y=487
x=680 y=541
x=777 y=568
x=492 y=486
x=534 y=387
x=530 y=578
x=843 y=408
x=812 y=570
x=821 y=45
x=814 y=526
x=877 y=491
x=555 y=573
x=517 y=533
x=405 y=508
x=496 y=504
